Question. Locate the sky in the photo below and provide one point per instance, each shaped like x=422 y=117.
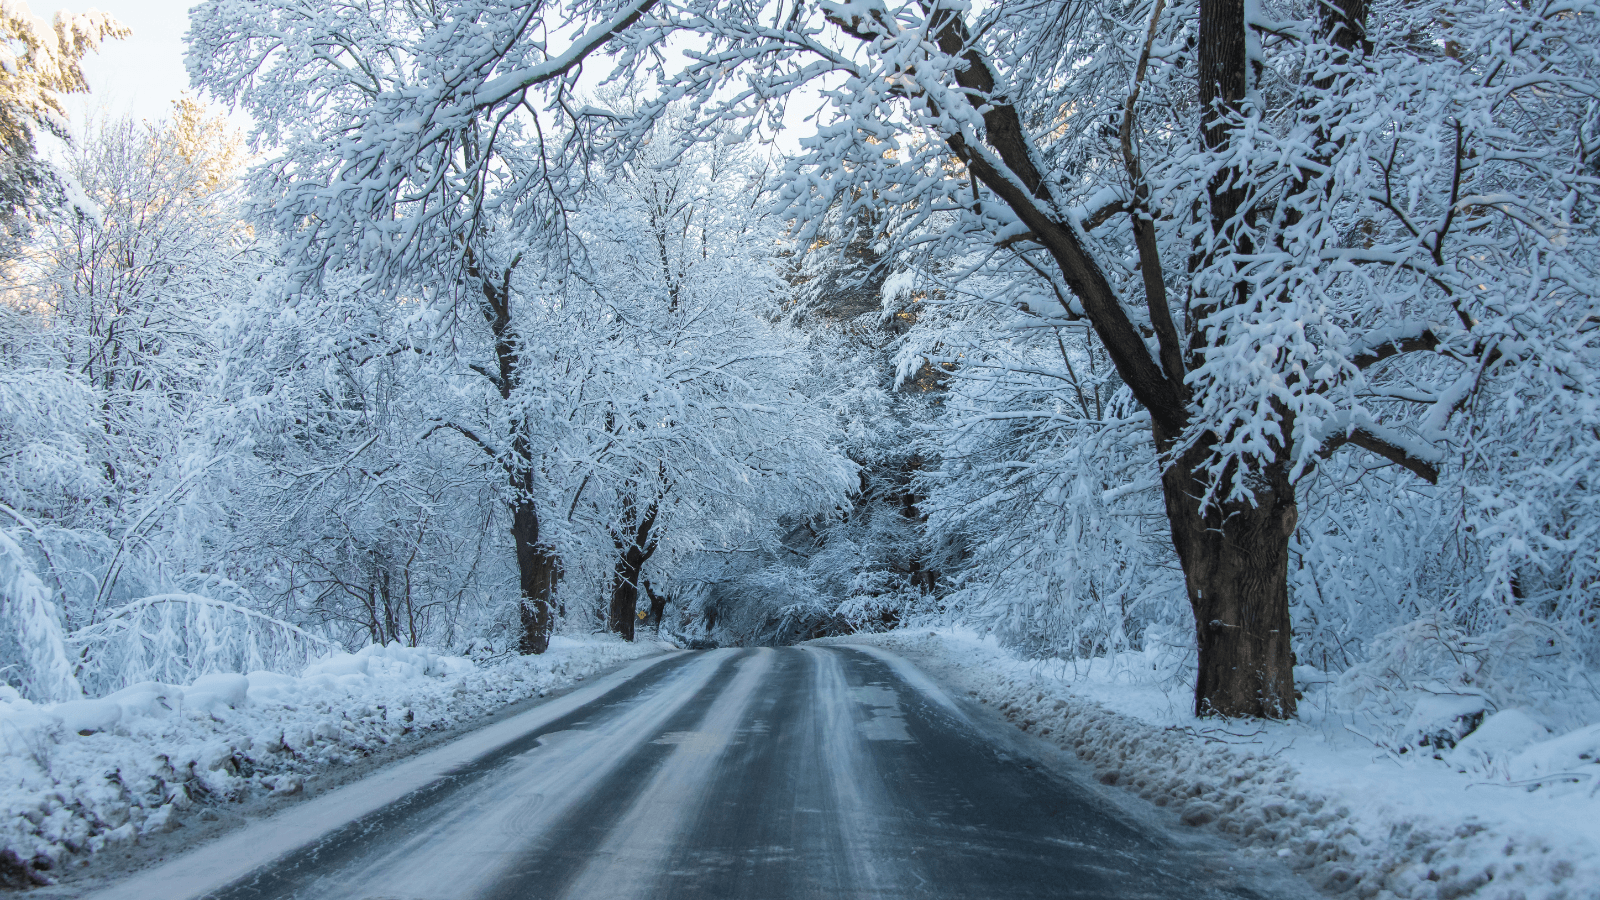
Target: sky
x=140 y=75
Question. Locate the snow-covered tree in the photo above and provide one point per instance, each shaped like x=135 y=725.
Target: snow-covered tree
x=112 y=319
x=1283 y=251
x=1295 y=230
x=447 y=213
x=39 y=63
x=340 y=518
x=708 y=435
x=108 y=454
x=610 y=343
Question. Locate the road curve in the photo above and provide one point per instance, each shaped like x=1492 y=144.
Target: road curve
x=770 y=774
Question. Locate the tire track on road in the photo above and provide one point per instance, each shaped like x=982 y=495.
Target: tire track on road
x=633 y=856
x=394 y=850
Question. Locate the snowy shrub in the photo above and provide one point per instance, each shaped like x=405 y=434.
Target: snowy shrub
x=46 y=436
x=1431 y=673
x=34 y=649
x=175 y=638
x=1055 y=515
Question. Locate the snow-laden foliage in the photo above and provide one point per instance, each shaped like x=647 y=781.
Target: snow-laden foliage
x=341 y=517
x=865 y=565
x=48 y=436
x=695 y=426
x=39 y=63
x=1252 y=343
x=399 y=127
x=175 y=638
x=107 y=350
x=212 y=465
x=1408 y=257
x=37 y=648
x=1304 y=237
x=1057 y=514
x=1091 y=330
x=1054 y=538
x=623 y=298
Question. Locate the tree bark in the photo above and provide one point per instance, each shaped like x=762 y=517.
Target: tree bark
x=624 y=599
x=1224 y=81
x=538 y=566
x=634 y=549
x=538 y=573
x=1344 y=25
x=1235 y=558
x=1234 y=552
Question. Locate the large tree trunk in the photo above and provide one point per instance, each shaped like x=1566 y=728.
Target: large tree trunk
x=635 y=543
x=1235 y=560
x=538 y=571
x=1234 y=555
x=624 y=598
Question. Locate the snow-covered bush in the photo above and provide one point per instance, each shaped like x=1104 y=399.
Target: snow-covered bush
x=34 y=653
x=176 y=638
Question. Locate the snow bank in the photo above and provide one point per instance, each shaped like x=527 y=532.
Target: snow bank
x=78 y=776
x=1510 y=812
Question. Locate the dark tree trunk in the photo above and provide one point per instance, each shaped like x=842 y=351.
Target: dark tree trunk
x=538 y=572
x=1224 y=81
x=635 y=545
x=1344 y=24
x=538 y=566
x=1235 y=560
x=1235 y=553
x=658 y=605
x=625 y=596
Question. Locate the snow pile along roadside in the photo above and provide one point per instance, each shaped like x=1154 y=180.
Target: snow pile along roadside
x=1351 y=817
x=79 y=776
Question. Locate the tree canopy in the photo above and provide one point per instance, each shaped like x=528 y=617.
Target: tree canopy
x=1261 y=330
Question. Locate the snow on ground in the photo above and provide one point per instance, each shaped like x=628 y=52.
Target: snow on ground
x=78 y=777
x=1511 y=812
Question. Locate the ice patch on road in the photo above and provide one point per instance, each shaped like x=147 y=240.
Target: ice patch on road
x=692 y=741
x=886 y=722
x=914 y=677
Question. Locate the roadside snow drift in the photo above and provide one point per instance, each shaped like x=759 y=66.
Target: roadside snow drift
x=78 y=776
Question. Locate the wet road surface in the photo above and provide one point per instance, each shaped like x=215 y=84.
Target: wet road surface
x=769 y=774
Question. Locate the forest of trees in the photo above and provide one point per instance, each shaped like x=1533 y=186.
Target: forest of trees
x=1265 y=332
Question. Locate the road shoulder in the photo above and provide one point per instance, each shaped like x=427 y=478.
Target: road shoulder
x=206 y=821
x=1367 y=828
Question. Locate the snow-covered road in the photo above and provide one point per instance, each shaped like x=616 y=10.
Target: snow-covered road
x=828 y=772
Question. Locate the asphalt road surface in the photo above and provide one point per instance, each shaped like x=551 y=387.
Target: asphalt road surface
x=804 y=772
